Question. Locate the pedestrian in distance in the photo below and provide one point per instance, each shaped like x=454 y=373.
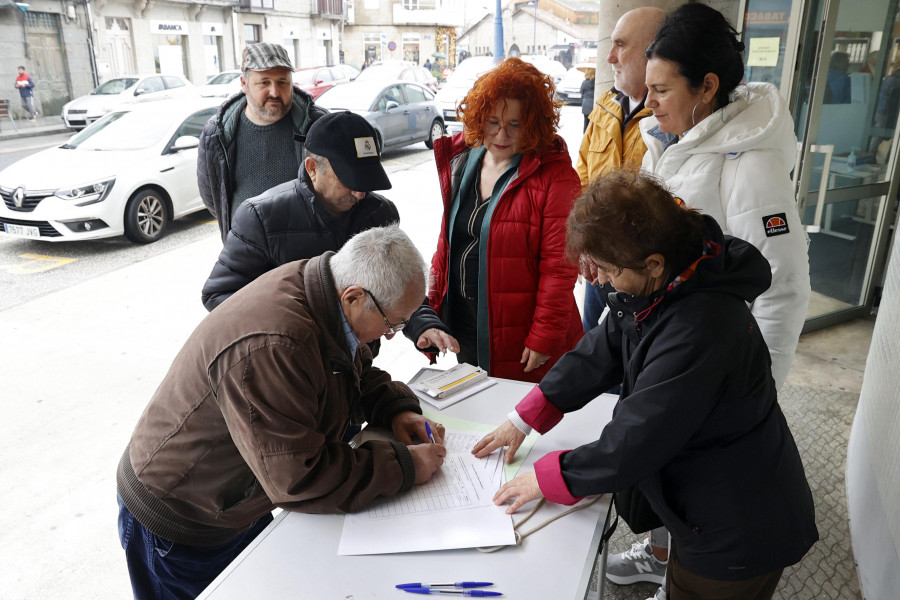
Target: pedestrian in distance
x=254 y=141
x=25 y=85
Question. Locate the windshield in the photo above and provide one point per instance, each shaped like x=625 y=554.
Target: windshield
x=115 y=86
x=305 y=77
x=348 y=96
x=223 y=78
x=381 y=72
x=121 y=130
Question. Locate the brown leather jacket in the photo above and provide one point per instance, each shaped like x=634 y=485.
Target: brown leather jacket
x=251 y=415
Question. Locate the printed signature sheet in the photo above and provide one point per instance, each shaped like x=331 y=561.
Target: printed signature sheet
x=452 y=510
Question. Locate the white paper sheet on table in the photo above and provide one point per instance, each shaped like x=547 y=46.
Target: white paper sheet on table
x=453 y=510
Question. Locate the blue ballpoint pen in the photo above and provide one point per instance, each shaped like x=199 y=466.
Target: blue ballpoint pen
x=474 y=593
x=458 y=584
x=428 y=431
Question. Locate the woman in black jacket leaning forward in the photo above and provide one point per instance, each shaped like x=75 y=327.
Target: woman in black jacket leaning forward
x=697 y=429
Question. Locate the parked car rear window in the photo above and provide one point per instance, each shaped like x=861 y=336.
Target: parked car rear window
x=173 y=82
x=115 y=86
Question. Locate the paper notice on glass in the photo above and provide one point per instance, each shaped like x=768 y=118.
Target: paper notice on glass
x=441 y=403
x=764 y=52
x=452 y=510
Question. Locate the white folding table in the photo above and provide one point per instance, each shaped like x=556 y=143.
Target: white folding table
x=296 y=557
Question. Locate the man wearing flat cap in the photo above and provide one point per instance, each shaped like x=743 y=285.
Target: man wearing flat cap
x=330 y=202
x=255 y=408
x=249 y=145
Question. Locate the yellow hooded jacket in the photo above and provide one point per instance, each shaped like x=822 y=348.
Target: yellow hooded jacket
x=604 y=146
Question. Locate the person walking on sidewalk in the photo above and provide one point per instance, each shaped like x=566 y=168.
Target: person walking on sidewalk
x=25 y=85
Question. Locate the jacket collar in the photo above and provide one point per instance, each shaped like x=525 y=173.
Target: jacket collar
x=324 y=306
x=229 y=113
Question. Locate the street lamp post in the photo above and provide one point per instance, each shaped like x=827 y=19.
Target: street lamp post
x=498 y=33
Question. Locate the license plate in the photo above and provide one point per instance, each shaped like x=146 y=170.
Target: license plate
x=22 y=230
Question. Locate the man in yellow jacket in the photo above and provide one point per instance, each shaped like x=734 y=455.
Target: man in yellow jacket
x=612 y=137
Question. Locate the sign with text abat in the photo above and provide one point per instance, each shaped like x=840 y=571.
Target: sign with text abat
x=392 y=46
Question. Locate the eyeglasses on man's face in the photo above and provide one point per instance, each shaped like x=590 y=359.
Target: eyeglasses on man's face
x=394 y=328
x=493 y=127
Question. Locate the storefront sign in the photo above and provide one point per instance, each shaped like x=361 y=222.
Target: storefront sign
x=169 y=27
x=213 y=28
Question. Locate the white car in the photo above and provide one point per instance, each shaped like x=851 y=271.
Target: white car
x=555 y=69
x=131 y=172
x=129 y=89
x=222 y=85
x=458 y=85
x=569 y=89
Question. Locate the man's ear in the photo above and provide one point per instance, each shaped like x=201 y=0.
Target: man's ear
x=309 y=163
x=352 y=298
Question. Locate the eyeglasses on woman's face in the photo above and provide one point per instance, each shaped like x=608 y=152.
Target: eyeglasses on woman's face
x=393 y=328
x=493 y=127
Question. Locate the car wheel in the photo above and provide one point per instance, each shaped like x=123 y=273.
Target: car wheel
x=146 y=217
x=437 y=130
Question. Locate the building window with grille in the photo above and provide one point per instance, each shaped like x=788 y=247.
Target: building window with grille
x=251 y=34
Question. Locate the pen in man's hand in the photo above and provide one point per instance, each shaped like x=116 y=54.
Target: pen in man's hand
x=428 y=431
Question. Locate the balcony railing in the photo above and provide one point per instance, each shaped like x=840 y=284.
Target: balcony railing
x=330 y=8
x=258 y=4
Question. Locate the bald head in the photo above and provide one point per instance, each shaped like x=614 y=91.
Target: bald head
x=633 y=33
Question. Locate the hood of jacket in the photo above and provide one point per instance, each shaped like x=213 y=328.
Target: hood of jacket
x=757 y=118
x=737 y=269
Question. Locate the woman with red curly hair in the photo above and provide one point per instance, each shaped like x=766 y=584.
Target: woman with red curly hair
x=501 y=281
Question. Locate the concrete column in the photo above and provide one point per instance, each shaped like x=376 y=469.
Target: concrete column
x=609 y=13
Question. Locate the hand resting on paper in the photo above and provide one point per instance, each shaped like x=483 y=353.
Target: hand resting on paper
x=505 y=435
x=427 y=458
x=408 y=426
x=523 y=488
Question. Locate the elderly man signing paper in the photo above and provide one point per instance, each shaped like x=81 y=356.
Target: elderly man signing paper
x=253 y=412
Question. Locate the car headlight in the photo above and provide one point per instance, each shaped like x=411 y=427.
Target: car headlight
x=86 y=194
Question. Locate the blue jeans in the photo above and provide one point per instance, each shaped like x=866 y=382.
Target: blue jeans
x=162 y=570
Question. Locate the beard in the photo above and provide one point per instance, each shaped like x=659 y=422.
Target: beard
x=269 y=111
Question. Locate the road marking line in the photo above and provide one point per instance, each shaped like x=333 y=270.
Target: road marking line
x=27 y=148
x=37 y=263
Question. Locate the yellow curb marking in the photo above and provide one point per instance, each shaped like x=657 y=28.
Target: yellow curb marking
x=36 y=263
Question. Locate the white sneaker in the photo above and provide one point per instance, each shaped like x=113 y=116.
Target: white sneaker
x=636 y=565
x=660 y=594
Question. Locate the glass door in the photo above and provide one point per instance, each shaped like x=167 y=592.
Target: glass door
x=845 y=99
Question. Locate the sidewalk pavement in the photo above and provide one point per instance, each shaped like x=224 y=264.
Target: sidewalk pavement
x=43 y=125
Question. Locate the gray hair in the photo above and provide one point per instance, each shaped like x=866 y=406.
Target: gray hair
x=382 y=260
x=322 y=163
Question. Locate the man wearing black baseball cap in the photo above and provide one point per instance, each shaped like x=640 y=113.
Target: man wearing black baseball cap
x=330 y=202
x=249 y=145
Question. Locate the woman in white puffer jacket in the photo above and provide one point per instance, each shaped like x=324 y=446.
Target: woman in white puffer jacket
x=728 y=149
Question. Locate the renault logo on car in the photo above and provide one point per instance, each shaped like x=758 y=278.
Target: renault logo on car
x=19 y=196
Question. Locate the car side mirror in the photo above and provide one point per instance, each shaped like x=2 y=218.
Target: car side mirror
x=390 y=104
x=185 y=141
x=139 y=91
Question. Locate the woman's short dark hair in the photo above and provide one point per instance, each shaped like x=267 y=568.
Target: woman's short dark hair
x=699 y=40
x=625 y=216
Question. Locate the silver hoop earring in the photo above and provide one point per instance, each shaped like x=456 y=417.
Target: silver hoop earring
x=693 y=110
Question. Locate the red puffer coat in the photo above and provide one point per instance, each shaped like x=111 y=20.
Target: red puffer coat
x=529 y=282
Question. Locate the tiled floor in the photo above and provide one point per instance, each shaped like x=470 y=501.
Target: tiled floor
x=819 y=402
